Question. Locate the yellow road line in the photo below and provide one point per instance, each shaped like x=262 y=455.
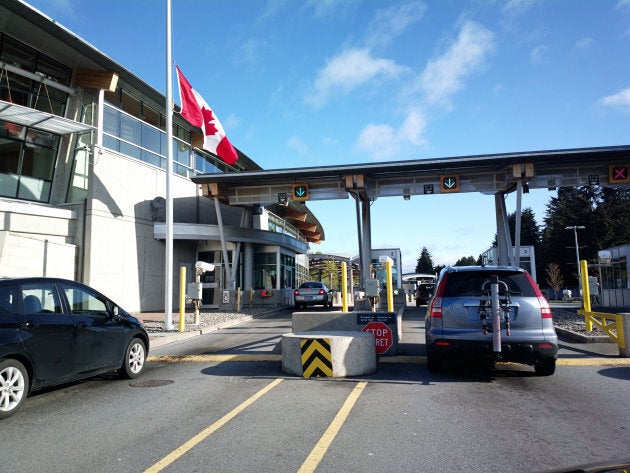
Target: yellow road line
x=187 y=446
x=318 y=452
x=593 y=362
x=211 y=358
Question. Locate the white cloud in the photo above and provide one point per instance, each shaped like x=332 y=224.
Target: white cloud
x=379 y=141
x=327 y=8
x=385 y=142
x=444 y=76
x=517 y=7
x=539 y=55
x=296 y=144
x=393 y=21
x=584 y=44
x=619 y=100
x=249 y=51
x=347 y=71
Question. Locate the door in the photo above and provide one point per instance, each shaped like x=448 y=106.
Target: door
x=100 y=337
x=46 y=332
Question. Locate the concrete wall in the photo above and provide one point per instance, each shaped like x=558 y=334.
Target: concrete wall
x=122 y=258
x=37 y=240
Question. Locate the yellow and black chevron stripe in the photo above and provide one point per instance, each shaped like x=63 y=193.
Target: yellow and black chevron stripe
x=316 y=358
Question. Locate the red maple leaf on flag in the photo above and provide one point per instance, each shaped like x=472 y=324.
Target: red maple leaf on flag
x=208 y=119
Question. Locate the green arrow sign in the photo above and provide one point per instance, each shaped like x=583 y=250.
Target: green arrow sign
x=300 y=192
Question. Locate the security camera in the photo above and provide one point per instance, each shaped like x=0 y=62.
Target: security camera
x=202 y=265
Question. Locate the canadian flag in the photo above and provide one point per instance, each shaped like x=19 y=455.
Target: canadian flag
x=198 y=113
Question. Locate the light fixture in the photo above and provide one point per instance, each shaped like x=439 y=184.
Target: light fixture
x=575 y=228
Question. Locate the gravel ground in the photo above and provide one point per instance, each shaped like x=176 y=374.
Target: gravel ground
x=210 y=319
x=573 y=322
x=562 y=318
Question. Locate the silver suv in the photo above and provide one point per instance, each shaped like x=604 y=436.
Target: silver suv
x=459 y=320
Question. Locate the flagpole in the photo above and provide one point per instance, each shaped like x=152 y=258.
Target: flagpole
x=168 y=257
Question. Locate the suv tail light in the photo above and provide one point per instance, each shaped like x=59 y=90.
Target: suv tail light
x=436 y=307
x=435 y=310
x=321 y=291
x=545 y=308
x=296 y=293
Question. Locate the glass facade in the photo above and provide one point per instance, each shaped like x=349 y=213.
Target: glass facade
x=266 y=271
x=27 y=156
x=128 y=135
x=27 y=162
x=615 y=276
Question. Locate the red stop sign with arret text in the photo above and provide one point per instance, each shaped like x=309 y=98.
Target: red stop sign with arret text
x=383 y=336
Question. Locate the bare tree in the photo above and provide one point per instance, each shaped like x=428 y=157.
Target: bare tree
x=554 y=278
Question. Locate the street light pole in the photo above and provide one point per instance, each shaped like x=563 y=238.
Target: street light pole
x=575 y=228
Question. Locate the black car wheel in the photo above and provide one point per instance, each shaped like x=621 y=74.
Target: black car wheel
x=13 y=387
x=546 y=367
x=135 y=357
x=434 y=362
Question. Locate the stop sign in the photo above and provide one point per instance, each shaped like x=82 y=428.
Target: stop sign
x=382 y=336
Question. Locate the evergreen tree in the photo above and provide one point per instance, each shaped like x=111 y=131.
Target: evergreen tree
x=571 y=207
x=425 y=262
x=613 y=218
x=531 y=234
x=466 y=261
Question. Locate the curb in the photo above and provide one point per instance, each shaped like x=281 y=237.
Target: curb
x=578 y=337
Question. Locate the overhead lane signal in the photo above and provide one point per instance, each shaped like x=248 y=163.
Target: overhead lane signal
x=619 y=173
x=300 y=191
x=449 y=183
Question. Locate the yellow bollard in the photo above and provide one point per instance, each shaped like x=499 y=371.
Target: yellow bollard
x=390 y=289
x=344 y=289
x=586 y=294
x=182 y=298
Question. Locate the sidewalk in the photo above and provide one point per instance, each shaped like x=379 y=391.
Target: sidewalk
x=209 y=321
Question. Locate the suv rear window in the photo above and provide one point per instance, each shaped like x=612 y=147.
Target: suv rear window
x=469 y=283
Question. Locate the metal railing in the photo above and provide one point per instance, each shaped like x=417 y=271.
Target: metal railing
x=611 y=324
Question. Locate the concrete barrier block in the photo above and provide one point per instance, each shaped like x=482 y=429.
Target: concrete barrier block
x=351 y=353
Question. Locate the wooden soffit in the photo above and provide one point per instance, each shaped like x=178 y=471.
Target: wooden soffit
x=100 y=80
x=295 y=215
x=311 y=227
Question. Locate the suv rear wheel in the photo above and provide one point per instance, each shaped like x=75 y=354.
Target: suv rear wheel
x=546 y=367
x=434 y=362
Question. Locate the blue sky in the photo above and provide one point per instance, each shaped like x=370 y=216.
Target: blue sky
x=323 y=82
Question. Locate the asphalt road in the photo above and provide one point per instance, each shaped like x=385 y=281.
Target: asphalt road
x=210 y=415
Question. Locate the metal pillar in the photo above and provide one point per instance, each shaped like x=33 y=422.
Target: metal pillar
x=359 y=237
x=366 y=256
x=504 y=241
x=248 y=266
x=516 y=258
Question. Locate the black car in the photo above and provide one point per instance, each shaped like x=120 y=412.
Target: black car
x=424 y=293
x=53 y=331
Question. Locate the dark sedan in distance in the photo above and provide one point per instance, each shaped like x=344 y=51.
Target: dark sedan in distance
x=54 y=331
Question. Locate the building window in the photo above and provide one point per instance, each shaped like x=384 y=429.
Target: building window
x=27 y=162
x=28 y=156
x=132 y=137
x=21 y=90
x=615 y=276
